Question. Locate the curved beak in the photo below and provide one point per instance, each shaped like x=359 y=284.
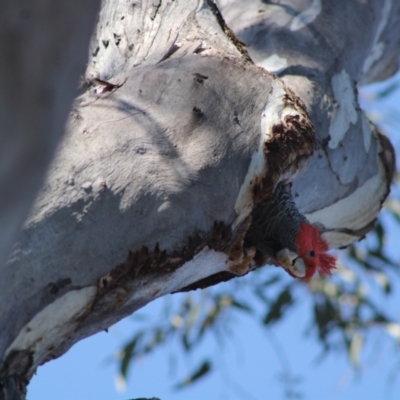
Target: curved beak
x=292 y=262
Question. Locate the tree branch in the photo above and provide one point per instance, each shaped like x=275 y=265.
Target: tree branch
x=174 y=140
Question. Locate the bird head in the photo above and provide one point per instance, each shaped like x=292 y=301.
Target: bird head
x=310 y=255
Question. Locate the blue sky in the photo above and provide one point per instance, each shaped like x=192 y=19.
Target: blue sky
x=251 y=361
x=247 y=367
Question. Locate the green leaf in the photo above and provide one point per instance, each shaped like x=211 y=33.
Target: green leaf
x=390 y=89
x=208 y=322
x=325 y=315
x=201 y=371
x=159 y=336
x=185 y=341
x=128 y=353
x=278 y=308
x=272 y=280
x=241 y=306
x=261 y=296
x=380 y=234
x=140 y=317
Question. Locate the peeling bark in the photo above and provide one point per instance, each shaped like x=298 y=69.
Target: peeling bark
x=175 y=138
x=316 y=51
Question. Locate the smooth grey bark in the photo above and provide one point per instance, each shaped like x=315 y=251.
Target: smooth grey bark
x=43 y=47
x=175 y=138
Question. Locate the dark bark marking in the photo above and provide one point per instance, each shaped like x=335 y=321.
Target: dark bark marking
x=144 y=262
x=199 y=77
x=117 y=39
x=141 y=150
x=235 y=252
x=209 y=281
x=12 y=388
x=228 y=32
x=292 y=142
x=14 y=374
x=388 y=158
x=55 y=287
x=173 y=48
x=107 y=86
x=236 y=119
x=198 y=111
x=156 y=5
x=199 y=49
x=94 y=54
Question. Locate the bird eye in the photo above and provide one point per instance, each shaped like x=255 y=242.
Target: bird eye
x=311 y=253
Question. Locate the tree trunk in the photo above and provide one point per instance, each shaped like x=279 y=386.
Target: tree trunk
x=174 y=140
x=43 y=47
